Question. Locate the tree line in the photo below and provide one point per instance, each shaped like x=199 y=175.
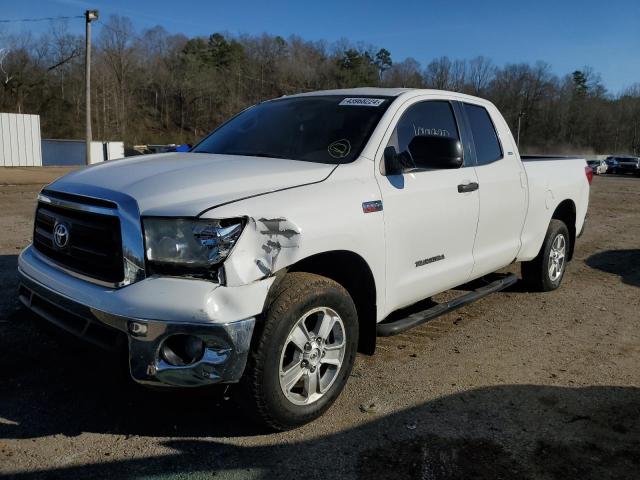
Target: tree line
x=151 y=86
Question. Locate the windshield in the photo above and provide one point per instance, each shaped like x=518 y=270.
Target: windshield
x=324 y=129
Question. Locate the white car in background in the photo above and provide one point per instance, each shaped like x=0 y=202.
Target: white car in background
x=598 y=166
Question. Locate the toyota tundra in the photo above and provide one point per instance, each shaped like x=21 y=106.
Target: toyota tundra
x=294 y=235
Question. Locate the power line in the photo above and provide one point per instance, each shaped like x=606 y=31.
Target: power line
x=44 y=19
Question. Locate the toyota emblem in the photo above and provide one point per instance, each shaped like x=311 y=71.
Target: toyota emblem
x=61 y=235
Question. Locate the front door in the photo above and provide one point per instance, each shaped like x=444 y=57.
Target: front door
x=429 y=225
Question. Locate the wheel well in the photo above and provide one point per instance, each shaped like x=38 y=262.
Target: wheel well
x=566 y=212
x=352 y=272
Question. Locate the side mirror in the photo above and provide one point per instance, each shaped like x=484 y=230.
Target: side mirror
x=436 y=152
x=392 y=165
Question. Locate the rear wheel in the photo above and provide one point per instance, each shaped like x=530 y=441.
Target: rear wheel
x=544 y=273
x=305 y=352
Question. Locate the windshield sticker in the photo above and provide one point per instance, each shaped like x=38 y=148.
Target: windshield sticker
x=339 y=148
x=362 y=102
x=430 y=132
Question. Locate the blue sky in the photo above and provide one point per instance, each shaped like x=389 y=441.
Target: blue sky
x=568 y=34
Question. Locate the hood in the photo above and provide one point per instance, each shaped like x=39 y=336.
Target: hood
x=185 y=184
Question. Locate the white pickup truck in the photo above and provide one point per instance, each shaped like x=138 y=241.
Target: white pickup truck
x=284 y=241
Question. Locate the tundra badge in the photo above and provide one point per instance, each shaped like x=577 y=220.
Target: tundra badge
x=426 y=261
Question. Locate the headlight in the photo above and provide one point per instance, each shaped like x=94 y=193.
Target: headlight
x=176 y=245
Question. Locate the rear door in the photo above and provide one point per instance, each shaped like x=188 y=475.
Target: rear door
x=429 y=225
x=502 y=191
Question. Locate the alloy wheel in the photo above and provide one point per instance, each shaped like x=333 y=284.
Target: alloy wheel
x=312 y=356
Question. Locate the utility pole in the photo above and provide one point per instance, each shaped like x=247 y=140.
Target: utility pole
x=520 y=115
x=89 y=16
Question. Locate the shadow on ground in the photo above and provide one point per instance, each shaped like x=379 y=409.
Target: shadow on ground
x=501 y=432
x=50 y=385
x=624 y=263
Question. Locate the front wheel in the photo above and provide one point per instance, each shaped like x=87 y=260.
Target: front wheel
x=544 y=273
x=305 y=352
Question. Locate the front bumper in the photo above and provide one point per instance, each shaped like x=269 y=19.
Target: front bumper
x=143 y=315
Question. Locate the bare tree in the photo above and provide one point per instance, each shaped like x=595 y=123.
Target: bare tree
x=116 y=48
x=153 y=86
x=438 y=74
x=404 y=74
x=458 y=76
x=481 y=73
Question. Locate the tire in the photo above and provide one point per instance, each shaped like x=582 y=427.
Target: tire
x=301 y=300
x=537 y=274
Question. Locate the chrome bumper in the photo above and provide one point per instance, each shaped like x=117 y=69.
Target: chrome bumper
x=226 y=343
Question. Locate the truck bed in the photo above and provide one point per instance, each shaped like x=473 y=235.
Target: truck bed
x=539 y=158
x=551 y=178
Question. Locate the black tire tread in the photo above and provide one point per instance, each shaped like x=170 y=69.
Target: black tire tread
x=291 y=289
x=533 y=272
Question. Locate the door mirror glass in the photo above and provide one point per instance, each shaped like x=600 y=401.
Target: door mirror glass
x=392 y=165
x=434 y=152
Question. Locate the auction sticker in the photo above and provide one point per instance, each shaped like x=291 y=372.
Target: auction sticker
x=362 y=102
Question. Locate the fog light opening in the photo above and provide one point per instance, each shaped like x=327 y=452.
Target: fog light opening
x=181 y=350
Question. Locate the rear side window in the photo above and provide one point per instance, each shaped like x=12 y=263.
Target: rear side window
x=432 y=118
x=484 y=134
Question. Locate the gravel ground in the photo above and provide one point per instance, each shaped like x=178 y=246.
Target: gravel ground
x=518 y=385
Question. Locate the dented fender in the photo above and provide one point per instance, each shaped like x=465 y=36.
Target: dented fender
x=265 y=246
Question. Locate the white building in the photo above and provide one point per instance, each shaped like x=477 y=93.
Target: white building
x=21 y=145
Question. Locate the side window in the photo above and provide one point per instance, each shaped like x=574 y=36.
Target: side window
x=484 y=134
x=432 y=118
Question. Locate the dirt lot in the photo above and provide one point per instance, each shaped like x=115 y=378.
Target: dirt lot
x=519 y=385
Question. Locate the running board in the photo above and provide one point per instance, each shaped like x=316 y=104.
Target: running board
x=398 y=326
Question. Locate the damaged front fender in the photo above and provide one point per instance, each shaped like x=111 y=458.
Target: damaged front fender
x=265 y=246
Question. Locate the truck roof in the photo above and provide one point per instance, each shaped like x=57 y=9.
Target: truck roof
x=387 y=92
